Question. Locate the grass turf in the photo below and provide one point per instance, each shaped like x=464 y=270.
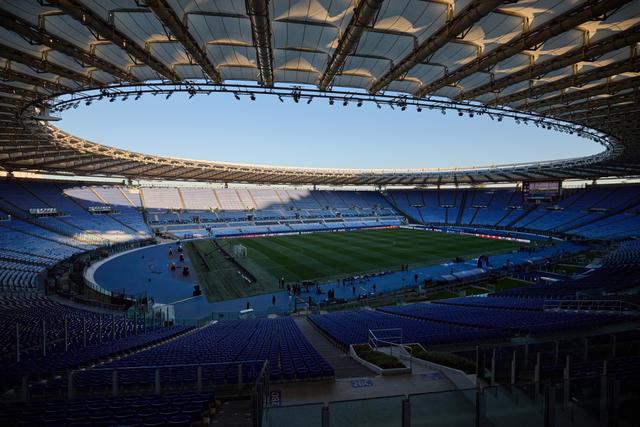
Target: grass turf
x=327 y=256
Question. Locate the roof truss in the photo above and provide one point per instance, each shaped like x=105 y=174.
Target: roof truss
x=528 y=40
x=455 y=26
x=588 y=53
x=566 y=98
x=629 y=65
x=258 y=11
x=168 y=17
x=40 y=36
x=92 y=20
x=363 y=16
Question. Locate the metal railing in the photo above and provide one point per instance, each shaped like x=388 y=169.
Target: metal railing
x=592 y=305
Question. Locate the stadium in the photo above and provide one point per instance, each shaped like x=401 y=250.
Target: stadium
x=144 y=289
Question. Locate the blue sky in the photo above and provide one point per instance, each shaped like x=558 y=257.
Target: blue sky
x=266 y=131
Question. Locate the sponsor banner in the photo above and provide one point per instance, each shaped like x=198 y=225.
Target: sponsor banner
x=296 y=233
x=469 y=233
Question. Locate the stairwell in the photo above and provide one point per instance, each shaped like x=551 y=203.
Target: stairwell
x=215 y=195
x=28 y=190
x=343 y=365
x=183 y=205
x=462 y=206
x=126 y=196
x=522 y=216
x=473 y=217
x=389 y=198
x=93 y=190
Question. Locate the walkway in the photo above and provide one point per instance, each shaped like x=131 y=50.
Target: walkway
x=343 y=365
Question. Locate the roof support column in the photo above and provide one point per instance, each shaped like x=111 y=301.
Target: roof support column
x=258 y=11
x=363 y=16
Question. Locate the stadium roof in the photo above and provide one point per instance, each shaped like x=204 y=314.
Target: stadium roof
x=548 y=62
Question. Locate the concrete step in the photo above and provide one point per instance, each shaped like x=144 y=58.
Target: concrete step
x=343 y=365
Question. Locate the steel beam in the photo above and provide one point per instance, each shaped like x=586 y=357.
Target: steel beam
x=462 y=20
x=589 y=53
x=39 y=36
x=628 y=65
x=94 y=22
x=605 y=112
x=528 y=40
x=67 y=161
x=168 y=17
x=563 y=103
x=363 y=16
x=41 y=153
x=258 y=11
x=43 y=65
x=5 y=88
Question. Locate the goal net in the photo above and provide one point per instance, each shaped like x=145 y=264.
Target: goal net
x=239 y=251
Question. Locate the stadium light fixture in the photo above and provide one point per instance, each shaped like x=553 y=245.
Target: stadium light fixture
x=113 y=98
x=253 y=97
x=280 y=98
x=309 y=100
x=331 y=101
x=419 y=109
x=359 y=104
x=460 y=113
x=87 y=103
x=236 y=96
x=168 y=95
x=138 y=96
x=345 y=102
x=444 y=112
x=378 y=105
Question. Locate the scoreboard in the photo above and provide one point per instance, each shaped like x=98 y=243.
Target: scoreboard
x=548 y=191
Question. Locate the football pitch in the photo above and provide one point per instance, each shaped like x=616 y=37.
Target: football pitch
x=326 y=256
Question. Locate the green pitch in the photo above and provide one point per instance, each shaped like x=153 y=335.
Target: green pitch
x=327 y=256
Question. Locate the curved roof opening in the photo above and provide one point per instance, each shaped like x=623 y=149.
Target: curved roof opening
x=267 y=131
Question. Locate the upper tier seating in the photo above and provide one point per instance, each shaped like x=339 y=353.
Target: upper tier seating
x=188 y=211
x=47 y=222
x=601 y=212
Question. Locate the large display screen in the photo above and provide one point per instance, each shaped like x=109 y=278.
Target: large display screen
x=536 y=190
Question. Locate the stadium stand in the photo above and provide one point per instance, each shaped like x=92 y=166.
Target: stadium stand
x=185 y=212
x=181 y=410
x=456 y=322
x=48 y=336
x=594 y=212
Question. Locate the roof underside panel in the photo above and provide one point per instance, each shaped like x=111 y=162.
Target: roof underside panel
x=584 y=68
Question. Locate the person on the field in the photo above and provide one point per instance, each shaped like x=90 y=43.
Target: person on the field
x=273 y=300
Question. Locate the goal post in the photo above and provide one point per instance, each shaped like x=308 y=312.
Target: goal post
x=239 y=251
